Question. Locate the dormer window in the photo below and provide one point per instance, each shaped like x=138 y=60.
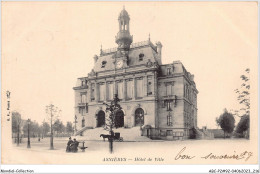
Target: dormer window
x=169 y=71
x=103 y=64
x=141 y=57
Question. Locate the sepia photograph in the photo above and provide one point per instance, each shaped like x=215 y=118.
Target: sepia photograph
x=115 y=83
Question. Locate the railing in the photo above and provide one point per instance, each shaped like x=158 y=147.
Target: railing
x=81 y=104
x=111 y=50
x=81 y=87
x=134 y=45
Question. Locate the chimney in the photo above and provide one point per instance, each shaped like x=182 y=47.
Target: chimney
x=159 y=51
x=95 y=58
x=192 y=77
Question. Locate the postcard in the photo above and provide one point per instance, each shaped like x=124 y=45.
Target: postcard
x=129 y=83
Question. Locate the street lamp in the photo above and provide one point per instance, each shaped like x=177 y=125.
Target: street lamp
x=18 y=130
x=75 y=121
x=28 y=142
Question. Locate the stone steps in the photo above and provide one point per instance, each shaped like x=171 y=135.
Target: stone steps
x=128 y=134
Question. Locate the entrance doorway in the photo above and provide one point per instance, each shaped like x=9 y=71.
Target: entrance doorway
x=119 y=119
x=139 y=117
x=101 y=119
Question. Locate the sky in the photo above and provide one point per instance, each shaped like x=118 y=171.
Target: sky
x=46 y=46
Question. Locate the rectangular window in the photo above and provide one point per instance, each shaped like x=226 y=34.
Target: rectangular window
x=163 y=104
x=83 y=98
x=92 y=92
x=86 y=108
x=110 y=91
x=168 y=89
x=102 y=92
x=169 y=105
x=149 y=85
x=162 y=133
x=82 y=110
x=169 y=132
x=139 y=87
x=130 y=89
x=120 y=90
x=169 y=71
x=169 y=120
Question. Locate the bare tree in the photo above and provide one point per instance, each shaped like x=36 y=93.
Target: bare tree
x=53 y=113
x=16 y=124
x=244 y=95
x=244 y=101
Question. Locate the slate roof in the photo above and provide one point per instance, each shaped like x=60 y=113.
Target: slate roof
x=146 y=48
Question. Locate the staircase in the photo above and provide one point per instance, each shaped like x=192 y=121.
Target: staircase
x=204 y=134
x=128 y=134
x=81 y=130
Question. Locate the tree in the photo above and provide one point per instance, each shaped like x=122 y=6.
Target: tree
x=16 y=120
x=53 y=112
x=45 y=128
x=16 y=123
x=56 y=126
x=244 y=101
x=69 y=128
x=110 y=120
x=244 y=95
x=34 y=129
x=226 y=121
x=243 y=125
x=62 y=128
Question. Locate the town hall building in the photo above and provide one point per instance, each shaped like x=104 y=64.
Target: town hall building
x=161 y=99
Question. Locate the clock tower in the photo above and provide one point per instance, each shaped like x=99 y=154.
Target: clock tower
x=123 y=39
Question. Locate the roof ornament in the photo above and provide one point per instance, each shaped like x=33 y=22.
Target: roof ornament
x=101 y=51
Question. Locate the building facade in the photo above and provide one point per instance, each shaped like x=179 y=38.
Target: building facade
x=159 y=98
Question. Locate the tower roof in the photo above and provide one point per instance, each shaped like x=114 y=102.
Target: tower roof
x=123 y=14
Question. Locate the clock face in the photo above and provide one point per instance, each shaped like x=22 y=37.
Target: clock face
x=119 y=64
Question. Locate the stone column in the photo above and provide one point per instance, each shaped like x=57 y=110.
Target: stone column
x=124 y=90
x=155 y=85
x=115 y=88
x=96 y=92
x=145 y=86
x=134 y=81
x=156 y=115
x=89 y=93
x=106 y=91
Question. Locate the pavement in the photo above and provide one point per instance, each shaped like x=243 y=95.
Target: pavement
x=98 y=151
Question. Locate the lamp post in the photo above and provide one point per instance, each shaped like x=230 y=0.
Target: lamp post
x=43 y=128
x=28 y=142
x=18 y=131
x=75 y=121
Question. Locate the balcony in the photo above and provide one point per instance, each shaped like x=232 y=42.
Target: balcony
x=82 y=104
x=81 y=87
x=169 y=96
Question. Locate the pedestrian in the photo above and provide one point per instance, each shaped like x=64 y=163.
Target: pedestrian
x=68 y=149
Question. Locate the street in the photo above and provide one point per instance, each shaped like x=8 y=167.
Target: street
x=160 y=152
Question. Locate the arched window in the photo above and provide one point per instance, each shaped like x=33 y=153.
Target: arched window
x=141 y=57
x=139 y=117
